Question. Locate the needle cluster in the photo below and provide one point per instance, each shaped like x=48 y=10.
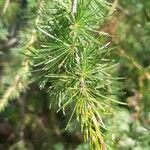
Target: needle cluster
x=69 y=60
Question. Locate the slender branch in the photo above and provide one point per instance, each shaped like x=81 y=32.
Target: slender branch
x=96 y=141
x=9 y=43
x=113 y=8
x=74 y=7
x=6 y=6
x=131 y=59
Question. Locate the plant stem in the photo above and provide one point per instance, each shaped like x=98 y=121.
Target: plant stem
x=6 y=6
x=74 y=6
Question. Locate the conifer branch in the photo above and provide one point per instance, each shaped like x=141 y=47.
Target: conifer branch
x=22 y=78
x=90 y=127
x=69 y=63
x=5 y=6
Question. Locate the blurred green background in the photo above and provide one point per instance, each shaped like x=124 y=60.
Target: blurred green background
x=29 y=124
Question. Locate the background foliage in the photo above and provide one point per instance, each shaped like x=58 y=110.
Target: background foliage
x=28 y=123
